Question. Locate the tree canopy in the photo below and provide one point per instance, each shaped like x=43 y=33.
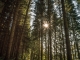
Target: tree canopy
x=39 y=30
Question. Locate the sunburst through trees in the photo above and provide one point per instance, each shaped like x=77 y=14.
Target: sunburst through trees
x=39 y=30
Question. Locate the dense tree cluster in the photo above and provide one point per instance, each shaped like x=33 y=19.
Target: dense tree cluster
x=14 y=28
x=21 y=40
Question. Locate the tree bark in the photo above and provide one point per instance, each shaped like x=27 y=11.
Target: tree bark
x=12 y=31
x=69 y=56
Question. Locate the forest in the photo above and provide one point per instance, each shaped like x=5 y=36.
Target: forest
x=39 y=29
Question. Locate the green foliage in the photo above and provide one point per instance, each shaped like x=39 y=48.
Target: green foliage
x=78 y=1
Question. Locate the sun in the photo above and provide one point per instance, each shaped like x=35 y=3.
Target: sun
x=46 y=25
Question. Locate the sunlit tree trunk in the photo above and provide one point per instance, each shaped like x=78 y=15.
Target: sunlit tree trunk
x=22 y=34
x=48 y=49
x=46 y=46
x=39 y=40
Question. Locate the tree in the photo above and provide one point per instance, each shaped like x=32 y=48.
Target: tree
x=66 y=32
x=12 y=31
x=5 y=24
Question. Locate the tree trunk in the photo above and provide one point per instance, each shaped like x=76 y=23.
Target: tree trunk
x=4 y=25
x=12 y=32
x=69 y=56
x=41 y=40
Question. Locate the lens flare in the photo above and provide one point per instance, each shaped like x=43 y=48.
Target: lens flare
x=46 y=25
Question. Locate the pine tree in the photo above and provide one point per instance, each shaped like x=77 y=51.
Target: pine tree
x=69 y=56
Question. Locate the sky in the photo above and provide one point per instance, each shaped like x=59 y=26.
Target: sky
x=76 y=6
x=32 y=8
x=32 y=14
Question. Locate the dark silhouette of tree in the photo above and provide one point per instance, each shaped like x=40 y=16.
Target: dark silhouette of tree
x=66 y=32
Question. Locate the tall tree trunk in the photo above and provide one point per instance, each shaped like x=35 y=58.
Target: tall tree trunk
x=22 y=34
x=46 y=57
x=48 y=50
x=50 y=41
x=41 y=41
x=69 y=56
x=63 y=47
x=7 y=57
x=4 y=24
